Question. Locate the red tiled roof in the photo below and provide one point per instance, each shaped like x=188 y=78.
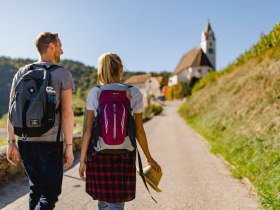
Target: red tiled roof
x=136 y=79
x=159 y=78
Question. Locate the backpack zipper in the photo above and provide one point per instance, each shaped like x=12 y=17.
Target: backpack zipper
x=115 y=121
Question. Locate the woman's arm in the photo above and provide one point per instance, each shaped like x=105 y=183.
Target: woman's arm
x=88 y=124
x=142 y=140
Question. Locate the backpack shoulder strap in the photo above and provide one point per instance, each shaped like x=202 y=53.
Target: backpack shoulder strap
x=141 y=173
x=128 y=86
x=53 y=67
x=49 y=69
x=128 y=91
x=30 y=66
x=98 y=86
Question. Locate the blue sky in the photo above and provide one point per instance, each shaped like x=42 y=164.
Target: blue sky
x=149 y=35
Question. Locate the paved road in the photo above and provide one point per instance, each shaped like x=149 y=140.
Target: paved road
x=193 y=178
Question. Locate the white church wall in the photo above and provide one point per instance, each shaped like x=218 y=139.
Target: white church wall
x=183 y=76
x=173 y=80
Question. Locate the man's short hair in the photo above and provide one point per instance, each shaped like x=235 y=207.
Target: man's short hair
x=44 y=39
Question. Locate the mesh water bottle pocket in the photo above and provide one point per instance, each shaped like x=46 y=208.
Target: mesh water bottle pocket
x=51 y=101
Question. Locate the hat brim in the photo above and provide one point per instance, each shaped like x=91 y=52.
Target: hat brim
x=152 y=184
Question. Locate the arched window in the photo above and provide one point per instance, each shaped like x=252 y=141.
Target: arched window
x=210 y=50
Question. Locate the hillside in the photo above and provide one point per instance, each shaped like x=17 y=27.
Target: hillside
x=237 y=111
x=85 y=77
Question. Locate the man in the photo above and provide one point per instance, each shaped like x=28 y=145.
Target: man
x=43 y=156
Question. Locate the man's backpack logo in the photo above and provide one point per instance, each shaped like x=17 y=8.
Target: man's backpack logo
x=34 y=122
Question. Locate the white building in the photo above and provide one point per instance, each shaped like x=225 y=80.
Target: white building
x=198 y=61
x=147 y=84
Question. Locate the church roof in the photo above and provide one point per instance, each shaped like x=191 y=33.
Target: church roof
x=207 y=30
x=195 y=57
x=136 y=79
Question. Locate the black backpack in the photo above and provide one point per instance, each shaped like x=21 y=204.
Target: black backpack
x=32 y=109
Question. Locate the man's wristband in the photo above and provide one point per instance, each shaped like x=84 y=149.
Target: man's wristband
x=12 y=141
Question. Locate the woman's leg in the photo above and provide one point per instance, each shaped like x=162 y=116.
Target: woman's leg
x=116 y=206
x=102 y=205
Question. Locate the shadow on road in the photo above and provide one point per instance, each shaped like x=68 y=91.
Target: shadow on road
x=19 y=187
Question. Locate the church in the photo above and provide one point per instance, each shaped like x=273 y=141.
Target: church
x=197 y=62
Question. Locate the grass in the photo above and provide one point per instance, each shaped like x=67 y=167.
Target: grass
x=239 y=116
x=3 y=121
x=3 y=140
x=78 y=123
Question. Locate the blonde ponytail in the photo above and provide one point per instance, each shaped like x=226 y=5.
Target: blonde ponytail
x=109 y=65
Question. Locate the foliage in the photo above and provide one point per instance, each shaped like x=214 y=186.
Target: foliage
x=78 y=123
x=3 y=121
x=168 y=93
x=3 y=140
x=151 y=111
x=174 y=92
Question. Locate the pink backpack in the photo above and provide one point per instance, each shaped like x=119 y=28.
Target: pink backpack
x=114 y=126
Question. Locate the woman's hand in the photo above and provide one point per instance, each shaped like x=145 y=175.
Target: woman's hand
x=82 y=170
x=154 y=164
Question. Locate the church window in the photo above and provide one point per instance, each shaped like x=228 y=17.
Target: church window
x=211 y=50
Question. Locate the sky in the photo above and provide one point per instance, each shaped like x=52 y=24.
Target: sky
x=148 y=35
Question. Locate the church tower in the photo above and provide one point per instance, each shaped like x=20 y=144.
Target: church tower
x=208 y=44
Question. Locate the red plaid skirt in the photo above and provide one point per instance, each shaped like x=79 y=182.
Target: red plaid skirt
x=111 y=178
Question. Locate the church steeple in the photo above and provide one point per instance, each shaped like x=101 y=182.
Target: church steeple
x=208 y=44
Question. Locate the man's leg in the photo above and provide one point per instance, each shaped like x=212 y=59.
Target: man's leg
x=31 y=166
x=51 y=157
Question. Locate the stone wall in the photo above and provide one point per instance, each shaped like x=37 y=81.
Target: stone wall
x=9 y=172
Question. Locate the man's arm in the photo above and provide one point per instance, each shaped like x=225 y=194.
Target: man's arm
x=12 y=149
x=67 y=122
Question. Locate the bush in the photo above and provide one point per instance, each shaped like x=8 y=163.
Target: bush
x=151 y=111
x=78 y=111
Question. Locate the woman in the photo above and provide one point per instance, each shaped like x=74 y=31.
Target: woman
x=111 y=178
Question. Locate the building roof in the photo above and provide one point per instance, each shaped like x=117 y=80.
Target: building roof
x=207 y=30
x=160 y=79
x=195 y=57
x=136 y=79
x=208 y=27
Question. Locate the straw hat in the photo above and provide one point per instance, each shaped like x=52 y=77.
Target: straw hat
x=152 y=177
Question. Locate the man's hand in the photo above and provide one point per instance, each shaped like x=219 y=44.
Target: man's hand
x=68 y=157
x=12 y=153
